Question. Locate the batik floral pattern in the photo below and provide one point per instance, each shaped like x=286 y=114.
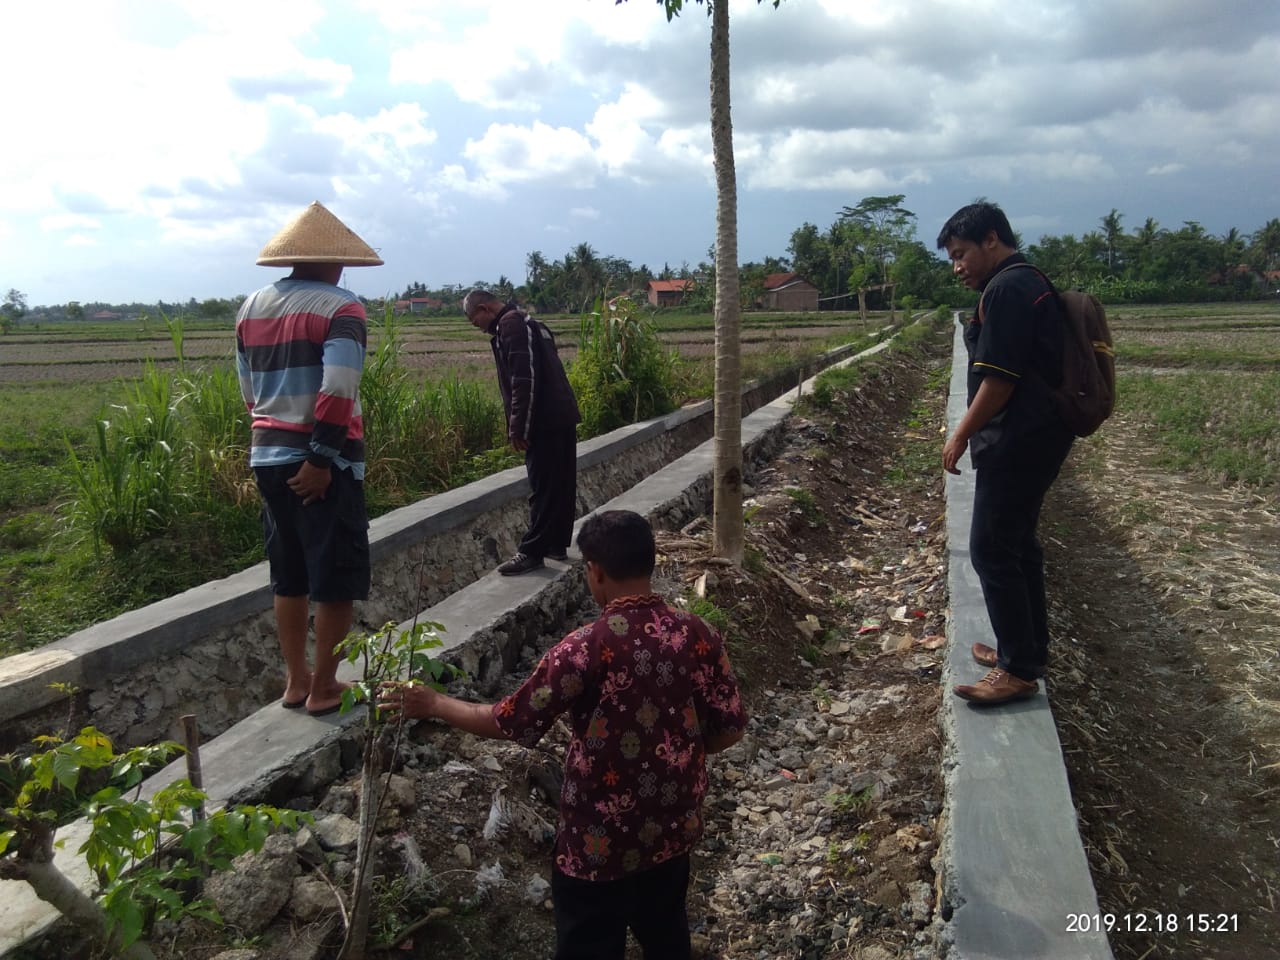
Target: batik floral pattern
x=642 y=686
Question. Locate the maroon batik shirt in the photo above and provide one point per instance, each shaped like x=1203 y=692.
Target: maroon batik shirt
x=643 y=686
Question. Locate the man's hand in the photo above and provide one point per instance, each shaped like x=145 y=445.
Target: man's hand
x=521 y=445
x=952 y=451
x=311 y=483
x=993 y=393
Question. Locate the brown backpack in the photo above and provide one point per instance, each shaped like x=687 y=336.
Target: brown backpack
x=1087 y=394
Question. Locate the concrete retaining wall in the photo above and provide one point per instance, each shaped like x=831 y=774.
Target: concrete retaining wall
x=212 y=650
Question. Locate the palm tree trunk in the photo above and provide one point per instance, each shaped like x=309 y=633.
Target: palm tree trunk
x=727 y=505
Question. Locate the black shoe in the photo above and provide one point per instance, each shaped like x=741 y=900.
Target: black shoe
x=520 y=563
x=560 y=555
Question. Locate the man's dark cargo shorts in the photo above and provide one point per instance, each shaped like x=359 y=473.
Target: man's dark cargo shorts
x=321 y=549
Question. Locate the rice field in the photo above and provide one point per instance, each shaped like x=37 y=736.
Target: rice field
x=1206 y=386
x=434 y=346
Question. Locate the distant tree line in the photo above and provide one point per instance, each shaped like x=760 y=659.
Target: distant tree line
x=867 y=246
x=1155 y=264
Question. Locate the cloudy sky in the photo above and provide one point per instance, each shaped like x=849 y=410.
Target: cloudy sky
x=151 y=147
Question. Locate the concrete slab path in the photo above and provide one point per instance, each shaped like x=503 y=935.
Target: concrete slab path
x=1016 y=869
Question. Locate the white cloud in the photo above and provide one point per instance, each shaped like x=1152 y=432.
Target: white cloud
x=1165 y=169
x=508 y=153
x=585 y=213
x=69 y=221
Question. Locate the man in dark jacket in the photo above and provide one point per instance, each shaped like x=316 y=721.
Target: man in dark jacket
x=542 y=418
x=1017 y=442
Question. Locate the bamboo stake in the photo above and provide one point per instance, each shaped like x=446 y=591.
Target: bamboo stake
x=191 y=739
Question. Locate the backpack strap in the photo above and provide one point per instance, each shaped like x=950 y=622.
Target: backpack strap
x=1014 y=266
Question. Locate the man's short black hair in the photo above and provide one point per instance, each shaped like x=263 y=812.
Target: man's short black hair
x=974 y=222
x=620 y=541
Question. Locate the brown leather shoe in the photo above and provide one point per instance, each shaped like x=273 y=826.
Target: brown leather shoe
x=997 y=686
x=985 y=656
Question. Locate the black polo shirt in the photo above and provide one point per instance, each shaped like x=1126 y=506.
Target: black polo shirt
x=1019 y=339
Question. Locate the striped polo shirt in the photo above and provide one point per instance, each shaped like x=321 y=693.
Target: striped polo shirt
x=299 y=354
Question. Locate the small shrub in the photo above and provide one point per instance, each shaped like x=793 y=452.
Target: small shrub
x=143 y=852
x=128 y=486
x=849 y=803
x=806 y=502
x=708 y=611
x=622 y=373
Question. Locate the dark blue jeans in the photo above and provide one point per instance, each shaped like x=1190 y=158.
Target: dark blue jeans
x=1006 y=554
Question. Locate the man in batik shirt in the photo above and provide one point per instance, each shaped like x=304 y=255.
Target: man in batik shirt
x=649 y=692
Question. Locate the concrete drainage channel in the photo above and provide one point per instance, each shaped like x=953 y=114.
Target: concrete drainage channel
x=1013 y=864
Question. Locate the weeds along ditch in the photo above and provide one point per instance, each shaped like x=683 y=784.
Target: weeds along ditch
x=120 y=490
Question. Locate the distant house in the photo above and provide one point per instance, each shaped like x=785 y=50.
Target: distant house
x=105 y=315
x=789 y=291
x=418 y=304
x=668 y=293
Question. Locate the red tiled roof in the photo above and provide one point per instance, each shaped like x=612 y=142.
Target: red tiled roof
x=663 y=286
x=775 y=280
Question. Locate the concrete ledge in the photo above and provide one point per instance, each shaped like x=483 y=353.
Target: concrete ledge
x=274 y=755
x=1013 y=863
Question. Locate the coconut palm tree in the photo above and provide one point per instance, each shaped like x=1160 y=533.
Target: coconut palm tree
x=727 y=487
x=586 y=272
x=1265 y=246
x=1113 y=234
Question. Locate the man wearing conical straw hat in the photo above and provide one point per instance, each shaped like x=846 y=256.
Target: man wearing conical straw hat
x=300 y=346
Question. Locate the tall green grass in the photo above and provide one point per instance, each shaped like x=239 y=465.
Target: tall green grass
x=622 y=372
x=421 y=434
x=126 y=484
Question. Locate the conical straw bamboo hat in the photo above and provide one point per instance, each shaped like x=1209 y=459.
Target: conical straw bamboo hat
x=317 y=236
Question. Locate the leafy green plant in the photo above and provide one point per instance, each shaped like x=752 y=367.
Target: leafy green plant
x=851 y=803
x=708 y=611
x=399 y=904
x=622 y=373
x=388 y=655
x=128 y=485
x=143 y=852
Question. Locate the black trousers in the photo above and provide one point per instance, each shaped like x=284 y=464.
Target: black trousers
x=552 y=464
x=1007 y=556
x=592 y=916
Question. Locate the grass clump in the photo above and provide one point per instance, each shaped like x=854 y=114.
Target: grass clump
x=708 y=611
x=806 y=503
x=1221 y=426
x=622 y=373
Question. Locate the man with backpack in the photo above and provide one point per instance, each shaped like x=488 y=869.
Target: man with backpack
x=1017 y=440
